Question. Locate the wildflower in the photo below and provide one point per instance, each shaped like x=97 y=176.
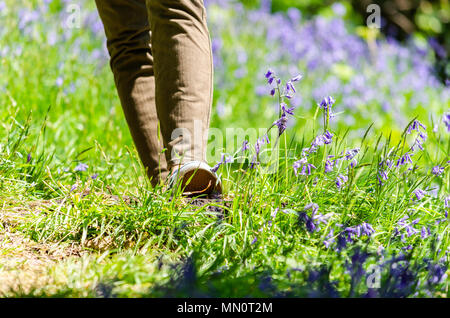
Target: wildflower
x=341 y=180
x=437 y=273
x=446 y=120
x=245 y=145
x=420 y=140
x=415 y=126
x=382 y=175
x=447 y=202
x=312 y=222
x=297 y=78
x=329 y=166
x=364 y=229
x=404 y=159
x=94 y=176
x=408 y=227
x=59 y=81
x=281 y=123
x=425 y=232
x=420 y=194
x=81 y=167
x=329 y=239
x=311 y=206
x=222 y=161
x=287 y=110
x=326 y=104
x=437 y=170
x=73 y=188
x=306 y=167
x=274 y=213
x=29 y=158
x=351 y=153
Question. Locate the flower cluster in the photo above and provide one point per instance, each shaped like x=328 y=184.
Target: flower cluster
x=407 y=228
x=313 y=222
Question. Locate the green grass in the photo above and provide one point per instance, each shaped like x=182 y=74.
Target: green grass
x=120 y=237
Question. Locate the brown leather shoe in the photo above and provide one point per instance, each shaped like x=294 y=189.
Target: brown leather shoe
x=196 y=179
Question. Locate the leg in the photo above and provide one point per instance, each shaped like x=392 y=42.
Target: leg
x=128 y=41
x=181 y=50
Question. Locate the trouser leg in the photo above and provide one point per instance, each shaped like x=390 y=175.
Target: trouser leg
x=181 y=50
x=129 y=44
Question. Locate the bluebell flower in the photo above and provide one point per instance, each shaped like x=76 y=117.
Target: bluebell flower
x=351 y=153
x=415 y=126
x=245 y=145
x=281 y=123
x=81 y=167
x=404 y=160
x=420 y=194
x=329 y=166
x=437 y=170
x=341 y=180
x=224 y=159
x=329 y=239
x=306 y=167
x=446 y=121
x=326 y=104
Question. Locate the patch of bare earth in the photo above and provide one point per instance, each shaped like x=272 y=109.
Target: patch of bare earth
x=24 y=263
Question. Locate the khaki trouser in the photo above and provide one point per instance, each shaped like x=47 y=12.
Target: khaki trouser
x=162 y=64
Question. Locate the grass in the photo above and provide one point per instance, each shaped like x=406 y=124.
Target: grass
x=105 y=232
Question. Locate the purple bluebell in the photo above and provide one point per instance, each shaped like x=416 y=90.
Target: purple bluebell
x=81 y=167
x=224 y=159
x=341 y=180
x=446 y=120
x=420 y=194
x=437 y=170
x=351 y=153
x=329 y=239
x=286 y=109
x=404 y=160
x=245 y=145
x=281 y=123
x=304 y=165
x=415 y=126
x=407 y=227
x=363 y=229
x=329 y=166
x=326 y=104
x=425 y=232
x=269 y=74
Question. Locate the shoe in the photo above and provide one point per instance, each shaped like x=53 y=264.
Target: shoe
x=196 y=179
